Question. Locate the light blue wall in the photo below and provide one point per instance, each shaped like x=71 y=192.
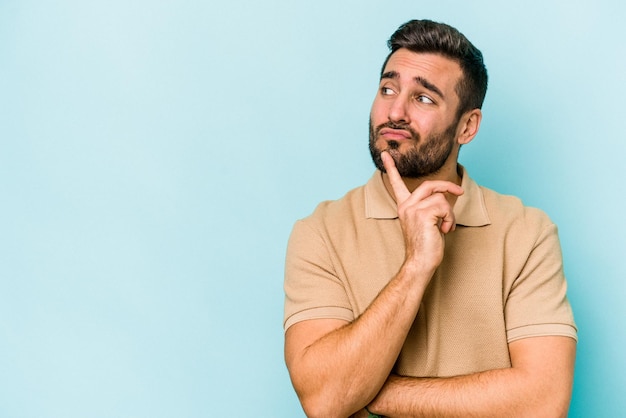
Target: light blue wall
x=155 y=154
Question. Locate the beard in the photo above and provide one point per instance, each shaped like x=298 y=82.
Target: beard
x=424 y=158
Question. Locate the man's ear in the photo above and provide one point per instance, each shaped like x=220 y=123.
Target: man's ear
x=468 y=126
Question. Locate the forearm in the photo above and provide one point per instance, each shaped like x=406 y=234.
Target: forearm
x=343 y=371
x=538 y=385
x=487 y=394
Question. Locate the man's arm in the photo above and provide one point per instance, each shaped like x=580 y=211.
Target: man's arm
x=337 y=367
x=539 y=384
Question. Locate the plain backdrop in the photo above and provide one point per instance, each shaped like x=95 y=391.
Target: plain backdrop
x=154 y=156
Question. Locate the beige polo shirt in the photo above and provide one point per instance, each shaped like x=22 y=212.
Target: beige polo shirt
x=501 y=278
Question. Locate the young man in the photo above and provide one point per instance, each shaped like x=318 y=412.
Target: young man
x=422 y=293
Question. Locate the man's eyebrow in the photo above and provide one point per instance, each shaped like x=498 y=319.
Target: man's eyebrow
x=419 y=80
x=429 y=86
x=390 y=74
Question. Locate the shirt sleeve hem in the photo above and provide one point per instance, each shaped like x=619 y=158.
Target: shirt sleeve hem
x=541 y=330
x=319 y=313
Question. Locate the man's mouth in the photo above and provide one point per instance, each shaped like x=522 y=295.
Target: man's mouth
x=395 y=134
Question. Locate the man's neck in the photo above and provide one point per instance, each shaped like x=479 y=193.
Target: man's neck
x=449 y=172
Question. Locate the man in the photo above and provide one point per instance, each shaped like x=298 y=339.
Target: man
x=421 y=293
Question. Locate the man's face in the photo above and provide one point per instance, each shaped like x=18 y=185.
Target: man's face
x=414 y=114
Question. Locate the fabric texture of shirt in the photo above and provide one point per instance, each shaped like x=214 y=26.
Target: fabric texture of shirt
x=501 y=278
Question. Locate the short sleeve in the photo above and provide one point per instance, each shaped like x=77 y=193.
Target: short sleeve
x=537 y=304
x=312 y=289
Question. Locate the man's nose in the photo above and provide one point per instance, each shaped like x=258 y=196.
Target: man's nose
x=398 y=112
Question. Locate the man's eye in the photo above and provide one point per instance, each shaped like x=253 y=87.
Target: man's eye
x=424 y=99
x=386 y=91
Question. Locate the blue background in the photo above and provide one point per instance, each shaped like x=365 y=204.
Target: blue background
x=155 y=154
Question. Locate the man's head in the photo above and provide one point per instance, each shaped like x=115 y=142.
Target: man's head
x=426 y=36
x=432 y=87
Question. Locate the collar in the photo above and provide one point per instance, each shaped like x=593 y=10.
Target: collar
x=469 y=209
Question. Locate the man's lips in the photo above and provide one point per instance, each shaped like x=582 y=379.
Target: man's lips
x=397 y=134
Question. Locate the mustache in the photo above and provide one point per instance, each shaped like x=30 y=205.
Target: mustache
x=400 y=126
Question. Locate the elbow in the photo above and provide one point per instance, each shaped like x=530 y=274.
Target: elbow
x=560 y=408
x=325 y=399
x=555 y=404
x=323 y=407
x=314 y=409
x=329 y=402
x=550 y=411
x=557 y=400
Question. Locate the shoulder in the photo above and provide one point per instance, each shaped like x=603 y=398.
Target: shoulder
x=511 y=210
x=371 y=201
x=482 y=206
x=331 y=214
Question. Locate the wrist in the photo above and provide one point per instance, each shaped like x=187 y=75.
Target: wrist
x=417 y=270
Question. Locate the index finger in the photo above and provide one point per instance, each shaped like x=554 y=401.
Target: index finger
x=399 y=188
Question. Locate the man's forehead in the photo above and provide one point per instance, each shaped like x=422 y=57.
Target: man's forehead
x=434 y=64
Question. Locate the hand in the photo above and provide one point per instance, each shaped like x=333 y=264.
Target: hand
x=425 y=215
